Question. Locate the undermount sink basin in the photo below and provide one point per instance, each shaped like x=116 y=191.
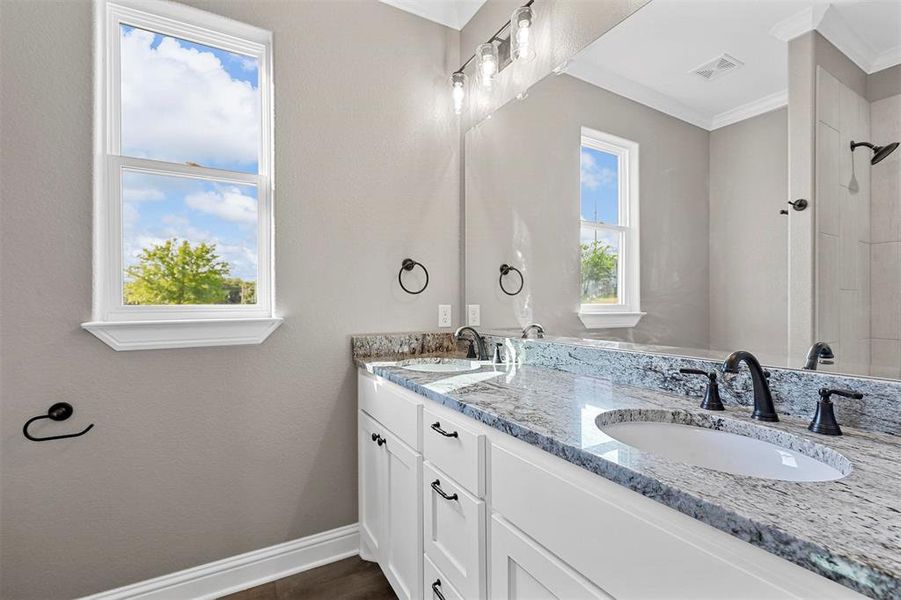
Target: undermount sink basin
x=724 y=444
x=439 y=365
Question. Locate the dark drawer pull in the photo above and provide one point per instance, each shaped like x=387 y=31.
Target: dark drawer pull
x=436 y=426
x=378 y=439
x=436 y=485
x=436 y=589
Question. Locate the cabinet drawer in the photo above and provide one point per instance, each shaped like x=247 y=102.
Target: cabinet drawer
x=437 y=586
x=399 y=410
x=455 y=449
x=454 y=532
x=633 y=547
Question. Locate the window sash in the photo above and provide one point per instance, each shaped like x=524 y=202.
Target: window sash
x=628 y=274
x=182 y=22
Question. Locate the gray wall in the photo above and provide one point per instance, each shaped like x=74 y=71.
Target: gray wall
x=748 y=236
x=883 y=84
x=522 y=205
x=200 y=454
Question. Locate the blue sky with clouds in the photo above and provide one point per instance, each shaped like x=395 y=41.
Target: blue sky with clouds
x=185 y=102
x=599 y=186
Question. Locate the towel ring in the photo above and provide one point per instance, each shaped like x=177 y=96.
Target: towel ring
x=505 y=269
x=58 y=412
x=407 y=265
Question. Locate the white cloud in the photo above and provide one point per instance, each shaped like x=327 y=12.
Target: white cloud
x=139 y=194
x=593 y=176
x=180 y=104
x=229 y=204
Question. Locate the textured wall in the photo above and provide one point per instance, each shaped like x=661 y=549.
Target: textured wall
x=885 y=249
x=843 y=224
x=748 y=236
x=200 y=454
x=522 y=207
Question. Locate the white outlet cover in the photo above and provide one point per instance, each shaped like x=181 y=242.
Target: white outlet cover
x=444 y=315
x=473 y=315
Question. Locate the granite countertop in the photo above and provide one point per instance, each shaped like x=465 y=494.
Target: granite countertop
x=848 y=530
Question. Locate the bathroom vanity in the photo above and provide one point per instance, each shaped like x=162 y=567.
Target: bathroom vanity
x=498 y=481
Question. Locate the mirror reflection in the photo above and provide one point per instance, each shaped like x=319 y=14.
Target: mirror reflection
x=705 y=177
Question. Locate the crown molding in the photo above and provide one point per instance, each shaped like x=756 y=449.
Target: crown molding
x=830 y=25
x=751 y=109
x=637 y=92
x=450 y=13
x=799 y=23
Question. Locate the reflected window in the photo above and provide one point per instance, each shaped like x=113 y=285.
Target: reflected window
x=609 y=230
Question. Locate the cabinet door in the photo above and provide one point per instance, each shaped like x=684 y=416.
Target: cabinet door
x=402 y=555
x=372 y=485
x=523 y=570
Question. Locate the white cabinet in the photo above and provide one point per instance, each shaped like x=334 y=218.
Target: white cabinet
x=523 y=570
x=486 y=515
x=390 y=510
x=371 y=485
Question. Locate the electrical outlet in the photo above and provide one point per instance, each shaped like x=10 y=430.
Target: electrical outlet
x=473 y=315
x=444 y=315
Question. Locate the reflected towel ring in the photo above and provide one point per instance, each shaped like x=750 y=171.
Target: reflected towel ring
x=505 y=269
x=58 y=412
x=407 y=265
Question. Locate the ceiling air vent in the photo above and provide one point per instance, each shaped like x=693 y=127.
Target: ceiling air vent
x=716 y=68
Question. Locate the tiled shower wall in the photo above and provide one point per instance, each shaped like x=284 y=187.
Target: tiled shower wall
x=843 y=225
x=885 y=238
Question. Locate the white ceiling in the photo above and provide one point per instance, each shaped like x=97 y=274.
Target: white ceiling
x=452 y=13
x=650 y=57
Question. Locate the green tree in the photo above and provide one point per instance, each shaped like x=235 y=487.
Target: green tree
x=599 y=277
x=240 y=291
x=177 y=273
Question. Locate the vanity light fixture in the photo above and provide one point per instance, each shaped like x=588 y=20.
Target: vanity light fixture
x=521 y=34
x=487 y=63
x=496 y=53
x=458 y=90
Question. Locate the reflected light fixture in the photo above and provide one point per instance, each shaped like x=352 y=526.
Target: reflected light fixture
x=487 y=63
x=458 y=90
x=521 y=34
x=517 y=46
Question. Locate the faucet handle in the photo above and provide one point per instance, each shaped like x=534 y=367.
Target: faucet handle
x=471 y=350
x=825 y=393
x=712 y=400
x=824 y=419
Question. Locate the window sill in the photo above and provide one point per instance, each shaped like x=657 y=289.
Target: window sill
x=193 y=333
x=610 y=320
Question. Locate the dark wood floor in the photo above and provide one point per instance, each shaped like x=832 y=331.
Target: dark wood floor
x=351 y=579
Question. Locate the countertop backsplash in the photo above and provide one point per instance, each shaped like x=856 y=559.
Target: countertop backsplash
x=795 y=392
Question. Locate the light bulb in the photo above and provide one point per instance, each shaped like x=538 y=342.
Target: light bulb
x=521 y=34
x=458 y=91
x=487 y=63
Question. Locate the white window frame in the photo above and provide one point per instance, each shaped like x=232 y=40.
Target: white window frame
x=627 y=312
x=127 y=327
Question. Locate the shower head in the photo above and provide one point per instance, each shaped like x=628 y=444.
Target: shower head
x=879 y=152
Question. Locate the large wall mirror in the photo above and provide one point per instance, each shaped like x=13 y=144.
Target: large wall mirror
x=642 y=194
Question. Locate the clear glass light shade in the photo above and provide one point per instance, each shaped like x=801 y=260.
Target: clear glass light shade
x=487 y=63
x=458 y=91
x=521 y=42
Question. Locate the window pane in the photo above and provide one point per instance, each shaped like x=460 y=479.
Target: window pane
x=600 y=186
x=188 y=241
x=187 y=103
x=600 y=265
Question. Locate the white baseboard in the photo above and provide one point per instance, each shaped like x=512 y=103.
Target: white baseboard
x=244 y=571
